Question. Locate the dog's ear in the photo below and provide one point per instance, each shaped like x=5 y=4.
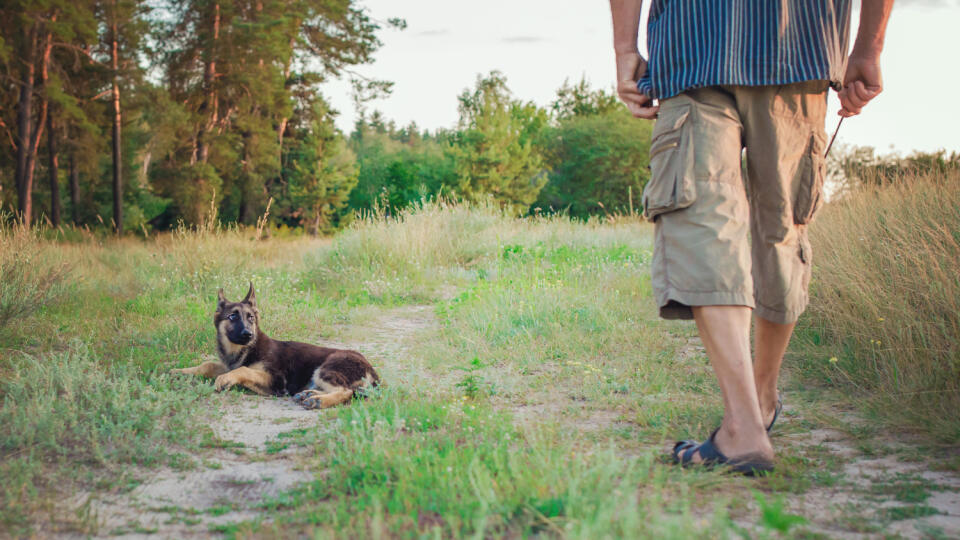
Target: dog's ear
x=221 y=299
x=251 y=297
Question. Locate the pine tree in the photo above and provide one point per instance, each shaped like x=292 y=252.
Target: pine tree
x=494 y=150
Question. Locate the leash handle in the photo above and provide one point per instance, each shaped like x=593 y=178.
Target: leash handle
x=829 y=146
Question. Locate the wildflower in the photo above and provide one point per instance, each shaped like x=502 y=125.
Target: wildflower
x=879 y=319
x=833 y=360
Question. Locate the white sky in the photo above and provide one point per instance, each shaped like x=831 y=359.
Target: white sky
x=539 y=43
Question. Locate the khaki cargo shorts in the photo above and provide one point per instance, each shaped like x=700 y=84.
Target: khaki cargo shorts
x=705 y=207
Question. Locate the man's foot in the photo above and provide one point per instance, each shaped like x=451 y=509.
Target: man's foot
x=707 y=454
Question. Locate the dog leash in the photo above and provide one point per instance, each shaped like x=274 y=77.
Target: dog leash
x=829 y=146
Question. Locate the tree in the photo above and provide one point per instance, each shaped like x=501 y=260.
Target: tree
x=240 y=68
x=597 y=152
x=399 y=167
x=494 y=150
x=319 y=170
x=580 y=100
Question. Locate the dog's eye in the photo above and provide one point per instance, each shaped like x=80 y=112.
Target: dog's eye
x=233 y=317
x=249 y=316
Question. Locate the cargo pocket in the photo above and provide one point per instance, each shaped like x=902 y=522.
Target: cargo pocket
x=810 y=178
x=671 y=186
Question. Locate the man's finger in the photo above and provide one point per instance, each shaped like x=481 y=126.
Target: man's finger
x=638 y=111
x=849 y=107
x=864 y=92
x=638 y=99
x=849 y=95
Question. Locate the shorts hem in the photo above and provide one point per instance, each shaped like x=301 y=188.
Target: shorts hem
x=778 y=317
x=675 y=304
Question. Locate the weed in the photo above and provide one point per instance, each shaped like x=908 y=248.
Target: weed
x=773 y=516
x=473 y=383
x=913 y=511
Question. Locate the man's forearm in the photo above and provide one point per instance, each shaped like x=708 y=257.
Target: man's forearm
x=874 y=15
x=626 y=24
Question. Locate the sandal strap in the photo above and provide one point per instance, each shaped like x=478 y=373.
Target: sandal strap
x=708 y=451
x=776 y=414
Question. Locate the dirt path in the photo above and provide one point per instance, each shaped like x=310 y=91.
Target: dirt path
x=254 y=463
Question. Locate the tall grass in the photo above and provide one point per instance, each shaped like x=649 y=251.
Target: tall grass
x=414 y=255
x=30 y=278
x=884 y=315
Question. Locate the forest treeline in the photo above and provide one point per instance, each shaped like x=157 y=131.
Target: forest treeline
x=144 y=113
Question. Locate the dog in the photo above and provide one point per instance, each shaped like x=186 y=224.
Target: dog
x=316 y=377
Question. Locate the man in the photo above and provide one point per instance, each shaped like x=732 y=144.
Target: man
x=747 y=74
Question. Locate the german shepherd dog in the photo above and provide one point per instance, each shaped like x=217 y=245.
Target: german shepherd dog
x=316 y=377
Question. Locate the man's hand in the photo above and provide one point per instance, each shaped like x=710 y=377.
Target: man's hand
x=861 y=83
x=630 y=67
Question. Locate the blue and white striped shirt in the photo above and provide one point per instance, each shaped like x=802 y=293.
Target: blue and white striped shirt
x=696 y=43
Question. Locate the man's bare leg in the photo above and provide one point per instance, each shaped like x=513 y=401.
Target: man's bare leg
x=770 y=344
x=725 y=332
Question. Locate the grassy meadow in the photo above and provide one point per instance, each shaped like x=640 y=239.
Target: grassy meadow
x=540 y=403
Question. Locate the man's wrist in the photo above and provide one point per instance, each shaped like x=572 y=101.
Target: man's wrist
x=866 y=53
x=867 y=49
x=626 y=51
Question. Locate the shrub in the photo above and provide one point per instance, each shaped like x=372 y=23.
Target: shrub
x=29 y=279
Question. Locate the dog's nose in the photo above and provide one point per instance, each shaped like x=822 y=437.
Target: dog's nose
x=247 y=334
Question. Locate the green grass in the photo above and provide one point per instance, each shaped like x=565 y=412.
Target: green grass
x=412 y=464
x=540 y=403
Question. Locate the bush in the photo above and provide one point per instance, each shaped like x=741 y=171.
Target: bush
x=884 y=315
x=28 y=280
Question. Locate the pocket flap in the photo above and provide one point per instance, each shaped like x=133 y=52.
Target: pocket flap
x=671 y=185
x=676 y=118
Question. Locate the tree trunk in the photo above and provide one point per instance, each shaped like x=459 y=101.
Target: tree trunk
x=41 y=121
x=24 y=124
x=53 y=170
x=282 y=128
x=117 y=184
x=314 y=228
x=242 y=212
x=210 y=104
x=74 y=189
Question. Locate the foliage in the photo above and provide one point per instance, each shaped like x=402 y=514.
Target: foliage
x=854 y=166
x=580 y=100
x=494 y=149
x=398 y=167
x=217 y=96
x=597 y=153
x=319 y=172
x=221 y=102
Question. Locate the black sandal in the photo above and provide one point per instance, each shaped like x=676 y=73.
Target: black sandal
x=776 y=414
x=711 y=456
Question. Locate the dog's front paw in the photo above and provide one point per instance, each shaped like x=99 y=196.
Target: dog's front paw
x=224 y=382
x=181 y=371
x=310 y=399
